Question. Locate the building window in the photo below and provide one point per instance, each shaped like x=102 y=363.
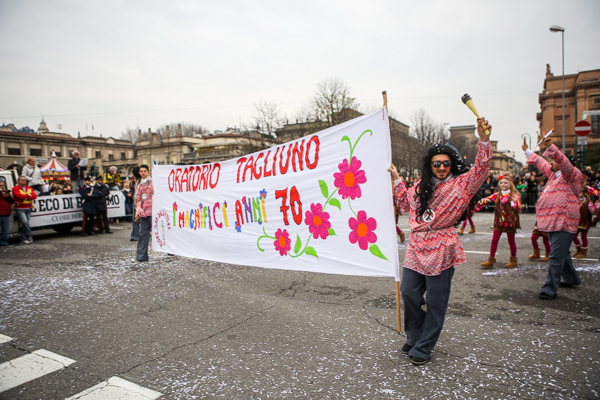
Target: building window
x=596 y=123
x=110 y=157
x=14 y=152
x=35 y=152
x=493 y=164
x=122 y=156
x=58 y=153
x=98 y=154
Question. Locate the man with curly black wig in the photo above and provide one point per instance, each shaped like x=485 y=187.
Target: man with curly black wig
x=436 y=204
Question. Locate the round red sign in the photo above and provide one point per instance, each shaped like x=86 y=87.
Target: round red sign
x=583 y=128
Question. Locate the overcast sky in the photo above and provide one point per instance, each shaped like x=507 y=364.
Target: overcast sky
x=120 y=64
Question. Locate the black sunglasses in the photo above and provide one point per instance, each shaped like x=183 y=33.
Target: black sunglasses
x=437 y=164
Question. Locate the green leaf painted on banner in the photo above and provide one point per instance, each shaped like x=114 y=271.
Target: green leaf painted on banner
x=346 y=138
x=324 y=188
x=335 y=203
x=311 y=251
x=331 y=232
x=374 y=249
x=298 y=244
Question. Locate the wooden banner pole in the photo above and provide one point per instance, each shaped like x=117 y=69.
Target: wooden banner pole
x=398 y=314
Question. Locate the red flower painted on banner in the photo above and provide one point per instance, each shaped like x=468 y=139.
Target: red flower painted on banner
x=347 y=182
x=282 y=242
x=349 y=178
x=317 y=221
x=362 y=230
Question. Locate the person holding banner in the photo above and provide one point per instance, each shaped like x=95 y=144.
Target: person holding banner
x=143 y=211
x=134 y=236
x=436 y=203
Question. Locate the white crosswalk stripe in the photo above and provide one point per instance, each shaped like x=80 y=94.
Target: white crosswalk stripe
x=116 y=388
x=4 y=338
x=42 y=362
x=29 y=367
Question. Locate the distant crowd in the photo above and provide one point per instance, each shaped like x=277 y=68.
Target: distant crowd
x=529 y=184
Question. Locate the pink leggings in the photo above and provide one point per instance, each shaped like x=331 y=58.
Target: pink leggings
x=511 y=243
x=464 y=225
x=584 y=242
x=534 y=242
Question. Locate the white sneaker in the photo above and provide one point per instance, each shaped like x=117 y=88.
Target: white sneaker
x=25 y=242
x=30 y=240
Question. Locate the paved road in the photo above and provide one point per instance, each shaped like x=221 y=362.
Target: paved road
x=180 y=328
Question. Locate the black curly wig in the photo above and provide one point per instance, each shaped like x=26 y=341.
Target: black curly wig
x=425 y=187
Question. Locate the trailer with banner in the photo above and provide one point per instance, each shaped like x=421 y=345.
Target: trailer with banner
x=60 y=212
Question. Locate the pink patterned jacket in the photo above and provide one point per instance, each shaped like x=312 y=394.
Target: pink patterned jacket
x=434 y=246
x=557 y=209
x=143 y=195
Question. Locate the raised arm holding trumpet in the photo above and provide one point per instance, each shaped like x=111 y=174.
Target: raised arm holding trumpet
x=469 y=103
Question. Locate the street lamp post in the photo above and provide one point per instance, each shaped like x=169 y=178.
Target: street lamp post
x=529 y=136
x=556 y=28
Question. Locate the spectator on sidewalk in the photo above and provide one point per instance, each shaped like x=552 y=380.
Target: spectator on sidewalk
x=68 y=189
x=77 y=172
x=112 y=179
x=24 y=196
x=128 y=193
x=88 y=206
x=32 y=173
x=532 y=193
x=6 y=202
x=101 y=193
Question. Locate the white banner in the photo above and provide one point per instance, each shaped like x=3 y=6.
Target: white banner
x=64 y=208
x=322 y=203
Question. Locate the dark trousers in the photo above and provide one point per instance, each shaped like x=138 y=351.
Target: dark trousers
x=88 y=223
x=102 y=217
x=135 y=230
x=531 y=201
x=561 y=263
x=423 y=328
x=129 y=212
x=142 y=244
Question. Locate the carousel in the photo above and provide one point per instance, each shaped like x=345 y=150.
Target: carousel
x=55 y=171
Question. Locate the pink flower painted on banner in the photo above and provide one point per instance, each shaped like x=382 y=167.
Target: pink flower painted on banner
x=282 y=242
x=317 y=221
x=349 y=178
x=362 y=230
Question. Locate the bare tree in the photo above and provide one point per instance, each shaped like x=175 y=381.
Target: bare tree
x=331 y=100
x=267 y=118
x=467 y=148
x=426 y=130
x=260 y=134
x=187 y=130
x=131 y=134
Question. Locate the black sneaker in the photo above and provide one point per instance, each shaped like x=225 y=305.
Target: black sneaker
x=545 y=296
x=406 y=348
x=109 y=232
x=84 y=235
x=418 y=360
